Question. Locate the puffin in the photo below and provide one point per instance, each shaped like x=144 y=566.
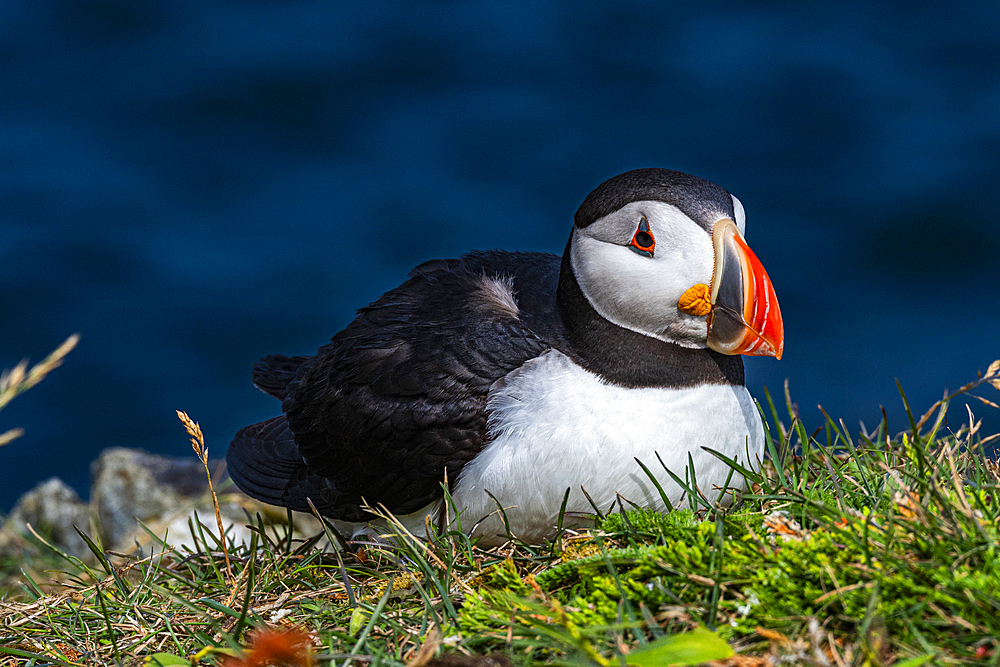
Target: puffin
x=529 y=385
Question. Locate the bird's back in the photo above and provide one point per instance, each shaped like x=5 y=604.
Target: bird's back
x=399 y=396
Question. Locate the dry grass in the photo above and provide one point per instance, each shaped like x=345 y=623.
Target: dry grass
x=201 y=451
x=19 y=379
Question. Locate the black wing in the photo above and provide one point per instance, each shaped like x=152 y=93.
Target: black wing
x=273 y=373
x=397 y=398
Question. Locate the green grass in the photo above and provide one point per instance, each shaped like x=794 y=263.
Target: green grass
x=859 y=549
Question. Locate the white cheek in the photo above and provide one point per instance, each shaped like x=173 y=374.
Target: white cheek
x=640 y=293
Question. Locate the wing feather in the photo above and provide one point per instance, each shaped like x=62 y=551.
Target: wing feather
x=399 y=395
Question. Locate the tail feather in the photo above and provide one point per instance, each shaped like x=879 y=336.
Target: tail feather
x=264 y=462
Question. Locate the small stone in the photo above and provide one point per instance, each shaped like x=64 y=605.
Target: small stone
x=130 y=484
x=52 y=508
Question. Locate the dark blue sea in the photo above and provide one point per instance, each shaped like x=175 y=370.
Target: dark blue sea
x=191 y=185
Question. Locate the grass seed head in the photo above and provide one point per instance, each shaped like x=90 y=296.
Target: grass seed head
x=197 y=438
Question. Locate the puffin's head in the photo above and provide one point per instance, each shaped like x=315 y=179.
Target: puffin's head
x=662 y=253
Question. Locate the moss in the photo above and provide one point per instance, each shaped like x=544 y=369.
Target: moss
x=504 y=576
x=824 y=572
x=672 y=525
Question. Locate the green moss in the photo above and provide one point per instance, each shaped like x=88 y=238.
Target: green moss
x=504 y=576
x=671 y=525
x=828 y=573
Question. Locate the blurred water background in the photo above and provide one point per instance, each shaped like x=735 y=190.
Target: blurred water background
x=194 y=184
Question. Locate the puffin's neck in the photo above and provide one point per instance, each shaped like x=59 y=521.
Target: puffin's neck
x=628 y=358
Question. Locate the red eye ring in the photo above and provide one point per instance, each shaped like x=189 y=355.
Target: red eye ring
x=643 y=241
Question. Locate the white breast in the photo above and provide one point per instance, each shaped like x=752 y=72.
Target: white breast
x=556 y=426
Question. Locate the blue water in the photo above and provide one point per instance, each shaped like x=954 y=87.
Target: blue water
x=192 y=185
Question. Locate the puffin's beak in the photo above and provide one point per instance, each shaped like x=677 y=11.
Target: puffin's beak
x=745 y=318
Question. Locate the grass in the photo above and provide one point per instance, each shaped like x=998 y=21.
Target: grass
x=20 y=379
x=868 y=548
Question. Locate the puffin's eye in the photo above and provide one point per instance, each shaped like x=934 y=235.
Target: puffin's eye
x=643 y=241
